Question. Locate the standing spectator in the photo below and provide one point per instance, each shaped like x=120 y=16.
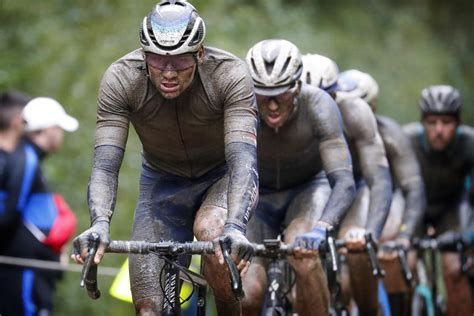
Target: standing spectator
x=43 y=215
x=11 y=179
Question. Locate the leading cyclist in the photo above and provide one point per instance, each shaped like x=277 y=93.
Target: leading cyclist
x=194 y=110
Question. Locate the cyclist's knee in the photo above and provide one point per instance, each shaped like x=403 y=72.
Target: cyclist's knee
x=305 y=266
x=147 y=307
x=452 y=266
x=208 y=226
x=254 y=292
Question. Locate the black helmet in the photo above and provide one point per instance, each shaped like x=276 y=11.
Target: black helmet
x=441 y=99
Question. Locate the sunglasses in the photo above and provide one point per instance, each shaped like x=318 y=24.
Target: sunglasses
x=176 y=62
x=280 y=98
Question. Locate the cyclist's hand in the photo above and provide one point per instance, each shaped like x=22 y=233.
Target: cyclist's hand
x=307 y=244
x=355 y=238
x=81 y=243
x=241 y=250
x=390 y=255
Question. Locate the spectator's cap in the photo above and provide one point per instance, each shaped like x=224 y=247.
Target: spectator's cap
x=43 y=112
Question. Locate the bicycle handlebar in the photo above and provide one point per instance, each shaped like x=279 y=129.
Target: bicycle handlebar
x=89 y=271
x=401 y=251
x=457 y=244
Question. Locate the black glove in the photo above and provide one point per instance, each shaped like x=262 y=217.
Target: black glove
x=239 y=245
x=82 y=242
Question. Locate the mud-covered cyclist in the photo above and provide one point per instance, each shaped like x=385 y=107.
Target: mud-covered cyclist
x=194 y=110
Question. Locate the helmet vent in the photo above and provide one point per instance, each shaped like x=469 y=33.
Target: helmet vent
x=269 y=67
x=143 y=39
x=308 y=78
x=197 y=37
x=285 y=65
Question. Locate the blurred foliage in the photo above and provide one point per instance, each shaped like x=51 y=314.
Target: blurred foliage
x=61 y=48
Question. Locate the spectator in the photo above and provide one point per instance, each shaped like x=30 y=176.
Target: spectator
x=29 y=291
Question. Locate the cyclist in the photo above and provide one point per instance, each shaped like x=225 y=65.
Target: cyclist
x=445 y=151
x=370 y=208
x=300 y=143
x=409 y=200
x=194 y=110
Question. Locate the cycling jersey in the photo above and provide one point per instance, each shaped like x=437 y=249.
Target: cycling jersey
x=405 y=171
x=445 y=172
x=309 y=142
x=369 y=161
x=213 y=121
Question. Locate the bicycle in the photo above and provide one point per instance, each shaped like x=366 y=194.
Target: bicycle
x=280 y=275
x=338 y=307
x=426 y=298
x=168 y=251
x=401 y=250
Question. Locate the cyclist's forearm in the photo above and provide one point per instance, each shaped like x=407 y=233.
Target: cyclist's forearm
x=415 y=201
x=380 y=198
x=102 y=190
x=243 y=184
x=342 y=196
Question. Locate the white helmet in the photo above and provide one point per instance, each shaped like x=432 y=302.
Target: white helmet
x=275 y=66
x=320 y=71
x=173 y=27
x=359 y=84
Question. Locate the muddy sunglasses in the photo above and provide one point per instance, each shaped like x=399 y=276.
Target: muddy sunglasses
x=176 y=62
x=280 y=98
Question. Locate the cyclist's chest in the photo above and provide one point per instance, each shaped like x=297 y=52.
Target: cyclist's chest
x=293 y=141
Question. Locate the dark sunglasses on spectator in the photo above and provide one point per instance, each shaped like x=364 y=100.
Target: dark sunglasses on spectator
x=176 y=62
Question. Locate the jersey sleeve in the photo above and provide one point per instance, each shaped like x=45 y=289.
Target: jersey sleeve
x=240 y=135
x=337 y=163
x=113 y=113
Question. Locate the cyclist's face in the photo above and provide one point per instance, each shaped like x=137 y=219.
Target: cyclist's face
x=172 y=74
x=276 y=110
x=440 y=130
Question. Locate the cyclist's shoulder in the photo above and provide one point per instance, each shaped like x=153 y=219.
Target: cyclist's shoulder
x=466 y=140
x=222 y=65
x=223 y=74
x=127 y=68
x=413 y=129
x=356 y=109
x=359 y=120
x=317 y=104
x=466 y=132
x=389 y=128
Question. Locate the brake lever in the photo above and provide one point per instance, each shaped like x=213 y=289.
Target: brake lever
x=236 y=281
x=332 y=249
x=402 y=256
x=89 y=271
x=372 y=251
